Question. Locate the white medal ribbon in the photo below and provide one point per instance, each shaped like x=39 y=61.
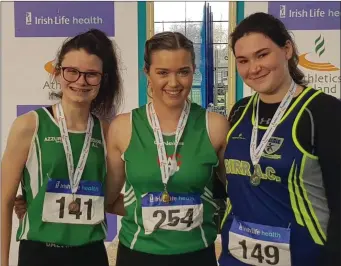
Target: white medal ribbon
x=74 y=176
x=166 y=172
x=256 y=152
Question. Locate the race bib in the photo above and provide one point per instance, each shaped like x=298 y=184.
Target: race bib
x=183 y=213
x=257 y=244
x=58 y=196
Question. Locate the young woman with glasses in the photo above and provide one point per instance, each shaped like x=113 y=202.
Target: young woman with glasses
x=64 y=185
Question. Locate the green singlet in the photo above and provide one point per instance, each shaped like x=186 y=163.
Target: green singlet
x=186 y=223
x=46 y=187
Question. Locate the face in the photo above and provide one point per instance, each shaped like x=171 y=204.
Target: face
x=261 y=63
x=171 y=76
x=77 y=87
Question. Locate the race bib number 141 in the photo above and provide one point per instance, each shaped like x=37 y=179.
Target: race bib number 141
x=58 y=196
x=183 y=213
x=257 y=244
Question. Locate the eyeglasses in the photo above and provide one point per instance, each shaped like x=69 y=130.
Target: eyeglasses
x=71 y=74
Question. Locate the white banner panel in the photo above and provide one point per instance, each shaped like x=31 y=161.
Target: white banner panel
x=316 y=30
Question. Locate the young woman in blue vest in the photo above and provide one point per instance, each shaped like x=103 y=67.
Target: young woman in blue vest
x=282 y=157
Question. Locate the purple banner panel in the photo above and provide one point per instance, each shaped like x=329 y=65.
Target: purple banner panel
x=23 y=109
x=307 y=15
x=62 y=19
x=111 y=218
x=112 y=227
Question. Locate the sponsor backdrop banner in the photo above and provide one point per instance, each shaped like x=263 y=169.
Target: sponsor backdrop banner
x=67 y=18
x=32 y=33
x=316 y=30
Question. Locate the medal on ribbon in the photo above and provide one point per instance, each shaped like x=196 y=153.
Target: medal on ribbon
x=74 y=175
x=256 y=152
x=167 y=170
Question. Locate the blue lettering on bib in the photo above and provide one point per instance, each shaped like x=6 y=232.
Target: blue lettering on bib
x=261 y=232
x=153 y=199
x=86 y=187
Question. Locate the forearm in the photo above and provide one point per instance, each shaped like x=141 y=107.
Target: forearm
x=113 y=188
x=6 y=232
x=117 y=207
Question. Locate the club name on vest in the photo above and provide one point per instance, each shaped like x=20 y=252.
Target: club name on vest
x=170 y=143
x=95 y=143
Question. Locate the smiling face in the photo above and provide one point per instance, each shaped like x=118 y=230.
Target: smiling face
x=170 y=76
x=261 y=63
x=76 y=87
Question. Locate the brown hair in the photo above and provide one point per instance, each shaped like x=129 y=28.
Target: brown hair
x=274 y=29
x=166 y=41
x=96 y=42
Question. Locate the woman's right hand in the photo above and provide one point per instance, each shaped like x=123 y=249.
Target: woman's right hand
x=20 y=207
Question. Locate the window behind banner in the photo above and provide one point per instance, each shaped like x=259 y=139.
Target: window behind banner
x=206 y=24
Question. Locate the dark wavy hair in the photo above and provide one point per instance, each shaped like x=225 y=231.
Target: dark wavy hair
x=274 y=29
x=96 y=42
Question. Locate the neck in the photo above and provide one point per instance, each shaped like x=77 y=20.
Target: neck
x=76 y=115
x=168 y=117
x=278 y=94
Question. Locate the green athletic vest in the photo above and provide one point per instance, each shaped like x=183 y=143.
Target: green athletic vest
x=47 y=160
x=196 y=162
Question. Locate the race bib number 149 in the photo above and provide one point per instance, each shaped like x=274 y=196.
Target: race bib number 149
x=183 y=213
x=58 y=196
x=256 y=244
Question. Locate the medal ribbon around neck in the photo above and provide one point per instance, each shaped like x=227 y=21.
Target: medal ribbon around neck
x=166 y=173
x=74 y=176
x=256 y=152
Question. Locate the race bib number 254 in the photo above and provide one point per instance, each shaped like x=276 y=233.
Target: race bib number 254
x=58 y=197
x=183 y=213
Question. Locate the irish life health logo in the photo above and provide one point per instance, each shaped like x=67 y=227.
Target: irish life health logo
x=62 y=19
x=320 y=70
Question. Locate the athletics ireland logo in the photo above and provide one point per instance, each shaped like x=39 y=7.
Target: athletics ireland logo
x=314 y=60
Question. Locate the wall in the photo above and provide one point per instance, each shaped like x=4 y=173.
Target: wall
x=25 y=81
x=317 y=35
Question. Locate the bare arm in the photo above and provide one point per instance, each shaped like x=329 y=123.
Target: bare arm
x=218 y=130
x=12 y=165
x=118 y=139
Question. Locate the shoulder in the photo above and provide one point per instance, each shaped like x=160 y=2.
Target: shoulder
x=121 y=119
x=323 y=100
x=218 y=127
x=120 y=130
x=23 y=128
x=26 y=123
x=120 y=122
x=325 y=108
x=217 y=120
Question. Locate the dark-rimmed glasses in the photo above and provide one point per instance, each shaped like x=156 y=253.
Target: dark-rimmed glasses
x=71 y=74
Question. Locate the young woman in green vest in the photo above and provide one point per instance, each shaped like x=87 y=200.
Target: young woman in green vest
x=59 y=155
x=166 y=153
